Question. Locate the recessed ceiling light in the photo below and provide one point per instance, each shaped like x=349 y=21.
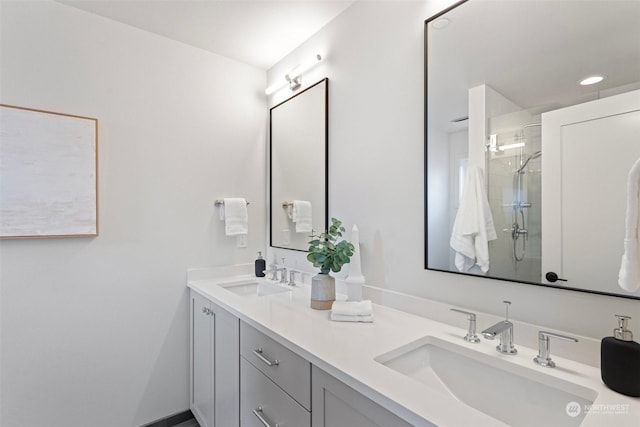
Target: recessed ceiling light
x=439 y=24
x=591 y=80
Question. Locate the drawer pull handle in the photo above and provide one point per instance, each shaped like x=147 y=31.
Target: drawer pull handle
x=258 y=353
x=258 y=413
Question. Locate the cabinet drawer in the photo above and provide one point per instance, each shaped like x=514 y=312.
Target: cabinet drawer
x=263 y=403
x=288 y=370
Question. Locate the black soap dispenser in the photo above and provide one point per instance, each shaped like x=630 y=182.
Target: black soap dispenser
x=260 y=265
x=620 y=360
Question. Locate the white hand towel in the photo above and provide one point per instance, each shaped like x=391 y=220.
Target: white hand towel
x=236 y=217
x=343 y=318
x=473 y=227
x=352 y=308
x=629 y=276
x=301 y=215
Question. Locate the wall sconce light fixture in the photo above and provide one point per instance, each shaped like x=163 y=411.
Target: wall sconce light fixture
x=294 y=77
x=493 y=146
x=511 y=146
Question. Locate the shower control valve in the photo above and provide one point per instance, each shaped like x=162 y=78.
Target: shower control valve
x=517 y=231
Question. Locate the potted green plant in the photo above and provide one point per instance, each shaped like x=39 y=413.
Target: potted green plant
x=328 y=254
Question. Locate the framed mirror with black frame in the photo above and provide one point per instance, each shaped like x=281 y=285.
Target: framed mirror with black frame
x=510 y=115
x=298 y=167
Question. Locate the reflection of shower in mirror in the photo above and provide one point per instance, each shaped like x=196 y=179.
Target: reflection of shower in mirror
x=514 y=177
x=519 y=227
x=526 y=162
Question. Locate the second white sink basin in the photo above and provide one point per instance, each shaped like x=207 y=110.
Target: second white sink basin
x=255 y=286
x=511 y=393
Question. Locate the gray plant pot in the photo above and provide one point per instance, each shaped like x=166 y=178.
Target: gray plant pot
x=323 y=291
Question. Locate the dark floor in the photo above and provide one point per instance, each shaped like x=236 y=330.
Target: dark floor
x=182 y=419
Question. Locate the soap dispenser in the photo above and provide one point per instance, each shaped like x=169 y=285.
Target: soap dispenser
x=260 y=265
x=620 y=360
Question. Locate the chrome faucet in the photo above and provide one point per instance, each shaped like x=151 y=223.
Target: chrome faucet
x=471 y=331
x=505 y=329
x=544 y=350
x=283 y=274
x=274 y=269
x=292 y=278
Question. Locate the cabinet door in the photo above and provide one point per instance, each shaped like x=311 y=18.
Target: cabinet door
x=263 y=403
x=226 y=370
x=201 y=360
x=337 y=405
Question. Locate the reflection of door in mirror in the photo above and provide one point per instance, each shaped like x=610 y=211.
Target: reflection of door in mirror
x=298 y=167
x=589 y=150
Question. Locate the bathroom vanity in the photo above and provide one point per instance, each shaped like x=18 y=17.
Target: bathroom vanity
x=241 y=376
x=261 y=357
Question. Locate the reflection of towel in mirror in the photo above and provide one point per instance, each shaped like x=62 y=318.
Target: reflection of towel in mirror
x=236 y=217
x=473 y=227
x=301 y=215
x=629 y=276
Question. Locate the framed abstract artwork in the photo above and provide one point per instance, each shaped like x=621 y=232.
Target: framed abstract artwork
x=48 y=174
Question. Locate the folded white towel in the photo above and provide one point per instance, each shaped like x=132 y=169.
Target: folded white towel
x=629 y=276
x=343 y=318
x=473 y=227
x=236 y=217
x=301 y=216
x=352 y=308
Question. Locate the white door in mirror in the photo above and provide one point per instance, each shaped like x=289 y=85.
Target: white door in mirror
x=588 y=151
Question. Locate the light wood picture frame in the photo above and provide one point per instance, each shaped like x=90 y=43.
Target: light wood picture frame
x=48 y=174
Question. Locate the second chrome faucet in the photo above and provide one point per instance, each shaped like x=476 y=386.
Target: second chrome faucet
x=505 y=330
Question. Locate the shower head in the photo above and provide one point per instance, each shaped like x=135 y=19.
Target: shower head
x=531 y=157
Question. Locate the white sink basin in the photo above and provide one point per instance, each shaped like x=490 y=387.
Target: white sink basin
x=511 y=393
x=255 y=286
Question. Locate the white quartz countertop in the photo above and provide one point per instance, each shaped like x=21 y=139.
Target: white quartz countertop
x=347 y=350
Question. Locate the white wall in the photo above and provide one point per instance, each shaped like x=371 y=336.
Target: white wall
x=440 y=196
x=375 y=63
x=94 y=331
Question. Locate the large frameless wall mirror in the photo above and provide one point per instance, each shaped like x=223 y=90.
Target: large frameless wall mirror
x=298 y=167
x=521 y=153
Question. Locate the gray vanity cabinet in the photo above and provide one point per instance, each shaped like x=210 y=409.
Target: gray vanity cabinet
x=241 y=376
x=275 y=382
x=263 y=402
x=335 y=404
x=215 y=364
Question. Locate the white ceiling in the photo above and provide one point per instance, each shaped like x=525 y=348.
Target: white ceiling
x=256 y=32
x=533 y=53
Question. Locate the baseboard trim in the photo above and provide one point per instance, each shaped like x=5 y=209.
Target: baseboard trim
x=171 y=420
